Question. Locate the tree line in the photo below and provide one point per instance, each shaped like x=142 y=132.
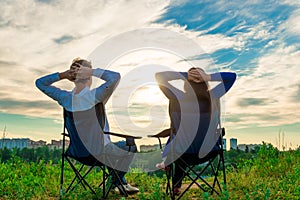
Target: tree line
x=31 y=154
x=46 y=154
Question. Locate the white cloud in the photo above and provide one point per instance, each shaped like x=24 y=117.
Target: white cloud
x=292 y=25
x=29 y=30
x=87 y=22
x=274 y=79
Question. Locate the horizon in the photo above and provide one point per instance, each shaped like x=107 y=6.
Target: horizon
x=279 y=143
x=281 y=147
x=257 y=40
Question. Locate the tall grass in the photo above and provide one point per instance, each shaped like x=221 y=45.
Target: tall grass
x=270 y=174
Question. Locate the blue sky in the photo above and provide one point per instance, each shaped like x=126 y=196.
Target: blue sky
x=259 y=40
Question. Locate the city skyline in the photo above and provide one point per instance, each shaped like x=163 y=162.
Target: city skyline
x=20 y=143
x=259 y=40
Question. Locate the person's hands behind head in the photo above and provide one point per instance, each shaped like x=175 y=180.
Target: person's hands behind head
x=80 y=70
x=83 y=72
x=198 y=75
x=194 y=75
x=69 y=74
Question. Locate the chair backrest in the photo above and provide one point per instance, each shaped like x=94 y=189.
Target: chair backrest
x=84 y=129
x=175 y=114
x=197 y=133
x=214 y=136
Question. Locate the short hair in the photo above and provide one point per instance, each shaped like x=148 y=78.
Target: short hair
x=197 y=68
x=82 y=62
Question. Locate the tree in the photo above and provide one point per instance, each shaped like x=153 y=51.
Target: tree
x=5 y=154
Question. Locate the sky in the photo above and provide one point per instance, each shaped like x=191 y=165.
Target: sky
x=257 y=39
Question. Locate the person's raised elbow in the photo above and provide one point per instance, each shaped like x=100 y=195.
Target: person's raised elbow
x=233 y=76
x=231 y=80
x=158 y=76
x=38 y=83
x=117 y=76
x=228 y=76
x=114 y=78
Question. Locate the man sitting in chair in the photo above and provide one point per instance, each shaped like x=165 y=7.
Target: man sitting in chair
x=191 y=114
x=83 y=98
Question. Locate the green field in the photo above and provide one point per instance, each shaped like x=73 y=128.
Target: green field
x=265 y=174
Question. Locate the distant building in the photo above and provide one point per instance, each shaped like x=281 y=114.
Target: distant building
x=36 y=144
x=15 y=143
x=58 y=144
x=233 y=143
x=248 y=147
x=55 y=144
x=21 y=143
x=146 y=148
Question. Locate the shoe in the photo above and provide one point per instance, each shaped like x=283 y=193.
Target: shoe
x=128 y=188
x=116 y=190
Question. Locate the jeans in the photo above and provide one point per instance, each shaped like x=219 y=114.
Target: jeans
x=126 y=161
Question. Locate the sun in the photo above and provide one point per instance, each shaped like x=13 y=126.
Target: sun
x=148 y=94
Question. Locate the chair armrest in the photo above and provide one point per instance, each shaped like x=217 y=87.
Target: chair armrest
x=129 y=139
x=162 y=134
x=221 y=131
x=122 y=135
x=65 y=134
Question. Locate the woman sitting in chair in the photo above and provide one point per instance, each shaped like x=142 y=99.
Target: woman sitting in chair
x=191 y=114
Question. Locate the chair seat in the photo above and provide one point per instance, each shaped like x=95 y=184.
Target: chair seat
x=87 y=160
x=195 y=157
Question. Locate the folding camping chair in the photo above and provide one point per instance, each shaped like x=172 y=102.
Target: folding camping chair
x=77 y=152
x=213 y=161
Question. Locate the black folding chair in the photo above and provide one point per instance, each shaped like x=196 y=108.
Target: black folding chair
x=212 y=162
x=77 y=152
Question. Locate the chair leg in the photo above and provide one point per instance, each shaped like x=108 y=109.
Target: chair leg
x=194 y=180
x=220 y=163
x=223 y=166
x=169 y=176
x=171 y=186
x=103 y=181
x=81 y=180
x=198 y=177
x=62 y=176
x=216 y=172
x=78 y=176
x=120 y=185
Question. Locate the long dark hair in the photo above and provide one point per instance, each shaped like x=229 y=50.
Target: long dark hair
x=201 y=90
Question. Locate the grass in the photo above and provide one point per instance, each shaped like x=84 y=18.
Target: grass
x=271 y=174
